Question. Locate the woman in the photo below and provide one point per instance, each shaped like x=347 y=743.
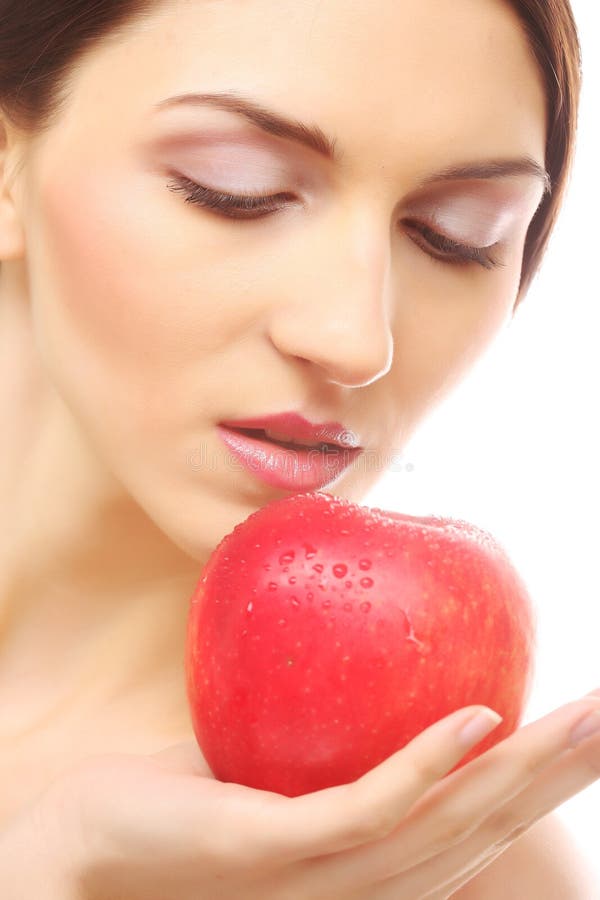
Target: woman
x=400 y=167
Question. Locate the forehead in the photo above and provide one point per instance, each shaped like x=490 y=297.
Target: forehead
x=385 y=78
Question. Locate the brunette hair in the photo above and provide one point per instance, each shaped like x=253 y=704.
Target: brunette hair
x=41 y=40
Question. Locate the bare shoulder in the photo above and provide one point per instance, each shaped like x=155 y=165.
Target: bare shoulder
x=544 y=863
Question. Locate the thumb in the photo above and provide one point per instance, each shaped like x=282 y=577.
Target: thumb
x=184 y=757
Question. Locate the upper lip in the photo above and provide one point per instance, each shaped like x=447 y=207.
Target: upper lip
x=291 y=426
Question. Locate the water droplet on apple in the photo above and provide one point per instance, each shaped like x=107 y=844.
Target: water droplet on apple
x=326 y=604
x=292 y=579
x=364 y=564
x=339 y=570
x=366 y=582
x=390 y=553
x=282 y=622
x=295 y=602
x=272 y=585
x=267 y=567
x=348 y=607
x=365 y=607
x=286 y=558
x=318 y=567
x=244 y=632
x=250 y=607
x=309 y=596
x=344 y=531
x=348 y=584
x=309 y=551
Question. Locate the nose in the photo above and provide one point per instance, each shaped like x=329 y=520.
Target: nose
x=336 y=307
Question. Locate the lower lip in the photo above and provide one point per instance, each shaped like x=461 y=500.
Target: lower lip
x=304 y=469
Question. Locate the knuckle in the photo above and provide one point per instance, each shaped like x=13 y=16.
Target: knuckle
x=450 y=829
x=532 y=766
x=503 y=822
x=427 y=770
x=364 y=819
x=368 y=827
x=370 y=824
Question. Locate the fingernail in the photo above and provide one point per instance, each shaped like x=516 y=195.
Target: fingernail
x=478 y=726
x=585 y=728
x=594 y=693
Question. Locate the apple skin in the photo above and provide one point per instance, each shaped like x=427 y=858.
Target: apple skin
x=323 y=636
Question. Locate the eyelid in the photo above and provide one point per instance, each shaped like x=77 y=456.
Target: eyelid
x=473 y=217
x=233 y=167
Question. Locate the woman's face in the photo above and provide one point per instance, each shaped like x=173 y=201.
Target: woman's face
x=158 y=318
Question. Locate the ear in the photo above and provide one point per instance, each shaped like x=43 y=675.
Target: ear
x=12 y=237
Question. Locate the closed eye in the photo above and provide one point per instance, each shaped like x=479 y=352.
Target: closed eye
x=231 y=205
x=249 y=207
x=448 y=250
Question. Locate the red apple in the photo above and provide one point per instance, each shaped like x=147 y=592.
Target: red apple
x=324 y=635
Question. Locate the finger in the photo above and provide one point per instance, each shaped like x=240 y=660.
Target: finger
x=447 y=890
x=452 y=809
x=575 y=771
x=183 y=757
x=348 y=815
x=570 y=774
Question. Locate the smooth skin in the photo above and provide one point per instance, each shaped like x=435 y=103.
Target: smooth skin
x=132 y=321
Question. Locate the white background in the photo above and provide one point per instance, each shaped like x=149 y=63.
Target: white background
x=516 y=449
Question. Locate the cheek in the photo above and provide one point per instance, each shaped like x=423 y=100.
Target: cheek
x=112 y=293
x=444 y=331
x=126 y=318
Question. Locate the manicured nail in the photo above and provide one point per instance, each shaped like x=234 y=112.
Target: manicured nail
x=588 y=726
x=478 y=726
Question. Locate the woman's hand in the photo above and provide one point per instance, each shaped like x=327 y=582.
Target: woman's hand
x=159 y=827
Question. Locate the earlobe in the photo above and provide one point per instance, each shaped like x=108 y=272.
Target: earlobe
x=12 y=238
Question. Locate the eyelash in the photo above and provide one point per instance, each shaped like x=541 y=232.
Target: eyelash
x=237 y=207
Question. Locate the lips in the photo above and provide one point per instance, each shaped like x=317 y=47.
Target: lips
x=292 y=430
x=263 y=434
x=295 y=468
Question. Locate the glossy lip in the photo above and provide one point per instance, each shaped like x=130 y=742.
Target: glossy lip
x=301 y=469
x=297 y=427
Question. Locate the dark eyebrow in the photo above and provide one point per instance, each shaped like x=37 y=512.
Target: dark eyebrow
x=316 y=139
x=265 y=119
x=494 y=168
